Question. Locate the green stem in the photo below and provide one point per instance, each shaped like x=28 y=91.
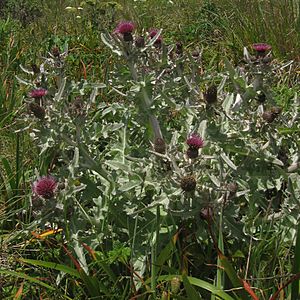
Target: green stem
x=146 y=102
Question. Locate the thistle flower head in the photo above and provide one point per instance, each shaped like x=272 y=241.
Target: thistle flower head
x=38 y=93
x=261 y=47
x=45 y=187
x=194 y=141
x=125 y=27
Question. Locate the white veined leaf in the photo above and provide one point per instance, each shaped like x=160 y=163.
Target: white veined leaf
x=228 y=161
x=106 y=41
x=202 y=128
x=94 y=94
x=227 y=103
x=129 y=186
x=26 y=70
x=23 y=81
x=60 y=92
x=116 y=165
x=215 y=180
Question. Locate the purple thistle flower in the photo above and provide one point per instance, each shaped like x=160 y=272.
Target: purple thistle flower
x=45 y=187
x=125 y=27
x=194 y=141
x=152 y=33
x=261 y=47
x=38 y=93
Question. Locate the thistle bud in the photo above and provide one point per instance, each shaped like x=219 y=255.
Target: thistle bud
x=206 y=213
x=210 y=95
x=179 y=48
x=268 y=116
x=35 y=69
x=188 y=183
x=55 y=52
x=127 y=36
x=195 y=54
x=140 y=42
x=160 y=146
x=276 y=110
x=232 y=187
x=192 y=153
x=261 y=97
x=37 y=110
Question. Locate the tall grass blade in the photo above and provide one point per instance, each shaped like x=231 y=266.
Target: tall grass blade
x=296 y=266
x=197 y=282
x=26 y=277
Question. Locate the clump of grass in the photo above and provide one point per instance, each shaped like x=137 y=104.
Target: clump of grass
x=275 y=22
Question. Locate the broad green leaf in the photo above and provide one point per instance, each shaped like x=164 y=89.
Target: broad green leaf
x=191 y=292
x=197 y=282
x=166 y=252
x=231 y=273
x=51 y=265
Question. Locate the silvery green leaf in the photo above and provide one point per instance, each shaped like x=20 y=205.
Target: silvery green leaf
x=227 y=103
x=79 y=252
x=222 y=84
x=23 y=81
x=202 y=128
x=237 y=102
x=113 y=127
x=242 y=193
x=119 y=92
x=277 y=162
x=99 y=85
x=60 y=92
x=281 y=67
x=214 y=179
x=135 y=88
x=106 y=41
x=190 y=85
x=246 y=55
x=229 y=67
x=293 y=167
x=129 y=186
x=250 y=92
x=26 y=70
x=116 y=165
x=228 y=161
x=258 y=82
x=75 y=162
x=94 y=95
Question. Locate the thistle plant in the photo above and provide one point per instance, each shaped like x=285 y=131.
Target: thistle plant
x=210 y=177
